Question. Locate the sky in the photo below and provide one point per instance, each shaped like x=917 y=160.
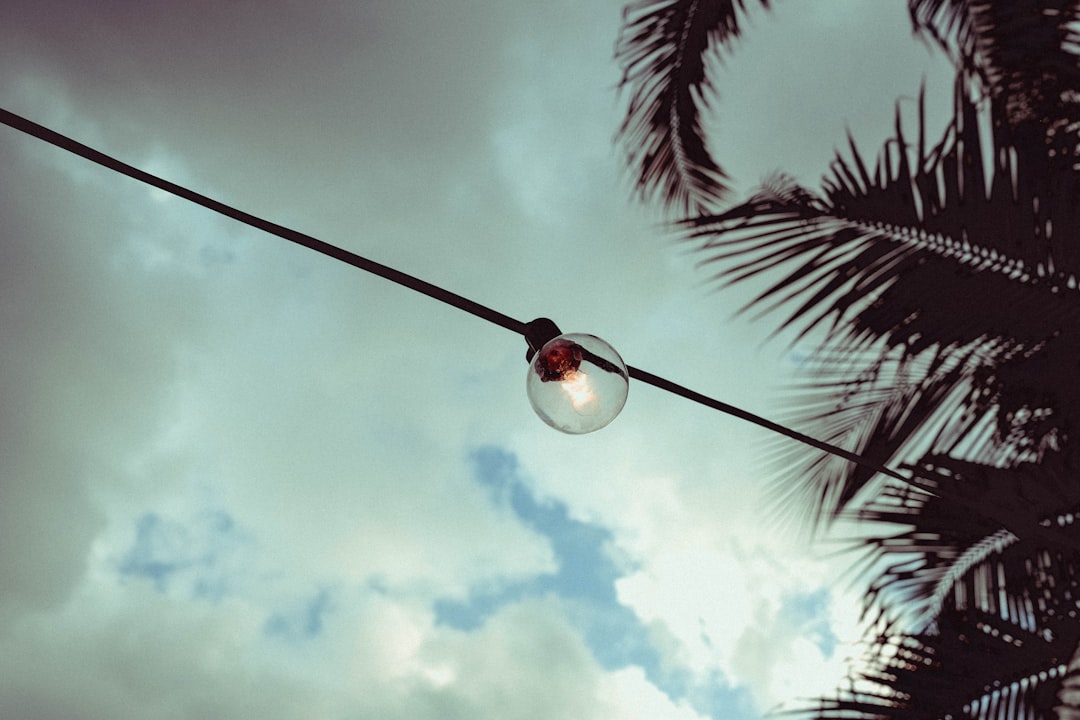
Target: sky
x=239 y=479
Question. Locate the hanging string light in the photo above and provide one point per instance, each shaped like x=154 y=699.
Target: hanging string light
x=576 y=383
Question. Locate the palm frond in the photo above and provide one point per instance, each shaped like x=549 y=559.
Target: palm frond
x=663 y=50
x=878 y=411
x=911 y=253
x=1023 y=52
x=1001 y=638
x=971 y=673
x=897 y=267
x=933 y=551
x=1068 y=695
x=973 y=664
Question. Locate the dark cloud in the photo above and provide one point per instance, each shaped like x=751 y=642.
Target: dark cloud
x=74 y=358
x=369 y=103
x=158 y=363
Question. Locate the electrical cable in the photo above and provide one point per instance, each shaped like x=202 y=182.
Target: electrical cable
x=52 y=137
x=434 y=291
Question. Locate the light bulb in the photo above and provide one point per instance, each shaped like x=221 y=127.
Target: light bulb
x=577 y=383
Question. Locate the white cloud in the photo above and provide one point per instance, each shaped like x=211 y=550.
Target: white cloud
x=723 y=602
x=630 y=696
x=159 y=362
x=138 y=654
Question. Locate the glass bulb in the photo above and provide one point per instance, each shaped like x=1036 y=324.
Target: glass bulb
x=577 y=383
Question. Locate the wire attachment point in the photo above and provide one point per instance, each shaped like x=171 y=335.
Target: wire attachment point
x=538 y=333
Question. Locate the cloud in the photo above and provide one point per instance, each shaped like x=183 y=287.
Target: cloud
x=585 y=578
x=72 y=357
x=164 y=659
x=239 y=479
x=164 y=550
x=728 y=601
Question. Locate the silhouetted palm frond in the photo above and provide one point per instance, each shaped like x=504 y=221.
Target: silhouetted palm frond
x=898 y=267
x=975 y=667
x=931 y=549
x=1024 y=52
x=663 y=50
x=892 y=407
x=994 y=618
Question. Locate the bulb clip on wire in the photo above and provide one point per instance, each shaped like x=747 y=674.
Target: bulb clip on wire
x=538 y=333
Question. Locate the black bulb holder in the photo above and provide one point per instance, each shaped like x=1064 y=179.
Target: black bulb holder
x=538 y=333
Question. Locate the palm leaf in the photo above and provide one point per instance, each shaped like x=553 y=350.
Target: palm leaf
x=913 y=255
x=1068 y=695
x=898 y=265
x=1024 y=53
x=663 y=51
x=992 y=618
x=973 y=669
x=877 y=411
x=932 y=549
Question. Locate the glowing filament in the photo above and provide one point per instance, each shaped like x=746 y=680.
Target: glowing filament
x=579 y=389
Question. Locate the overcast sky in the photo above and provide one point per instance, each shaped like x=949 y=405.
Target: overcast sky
x=241 y=480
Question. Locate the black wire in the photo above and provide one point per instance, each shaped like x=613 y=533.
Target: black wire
x=434 y=291
x=765 y=423
x=462 y=303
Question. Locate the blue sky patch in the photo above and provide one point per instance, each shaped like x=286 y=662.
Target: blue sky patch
x=303 y=622
x=169 y=552
x=808 y=615
x=585 y=582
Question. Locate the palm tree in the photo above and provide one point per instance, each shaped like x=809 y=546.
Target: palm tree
x=944 y=283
